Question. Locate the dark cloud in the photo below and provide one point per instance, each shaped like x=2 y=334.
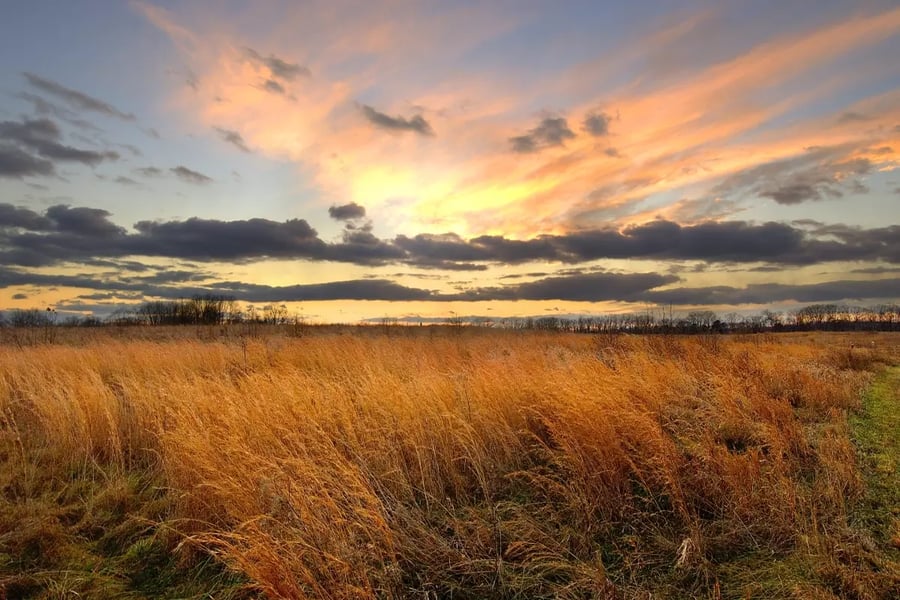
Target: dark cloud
x=208 y=239
x=20 y=296
x=83 y=221
x=767 y=293
x=597 y=124
x=233 y=137
x=578 y=287
x=45 y=108
x=122 y=180
x=587 y=287
x=280 y=68
x=110 y=296
x=733 y=241
x=43 y=137
x=817 y=174
x=16 y=163
x=417 y=123
x=46 y=241
x=75 y=98
x=270 y=85
x=159 y=284
x=360 y=289
x=551 y=131
x=347 y=212
x=593 y=287
x=22 y=218
x=190 y=176
x=149 y=171
x=853 y=117
x=63 y=233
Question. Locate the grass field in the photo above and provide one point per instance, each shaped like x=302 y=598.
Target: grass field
x=458 y=464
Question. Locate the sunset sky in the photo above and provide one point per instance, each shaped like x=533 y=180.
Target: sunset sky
x=359 y=160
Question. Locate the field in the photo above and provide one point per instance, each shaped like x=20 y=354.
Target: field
x=427 y=463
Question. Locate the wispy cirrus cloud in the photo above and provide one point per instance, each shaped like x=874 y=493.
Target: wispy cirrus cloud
x=278 y=67
x=233 y=137
x=76 y=99
x=690 y=131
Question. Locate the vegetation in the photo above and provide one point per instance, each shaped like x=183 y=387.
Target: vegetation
x=422 y=464
x=217 y=310
x=875 y=431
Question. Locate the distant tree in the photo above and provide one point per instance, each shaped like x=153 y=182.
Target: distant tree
x=771 y=319
x=275 y=314
x=30 y=317
x=701 y=320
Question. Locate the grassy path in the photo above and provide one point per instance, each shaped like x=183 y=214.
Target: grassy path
x=876 y=432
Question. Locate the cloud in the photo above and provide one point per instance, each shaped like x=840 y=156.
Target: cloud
x=728 y=241
x=122 y=180
x=83 y=221
x=360 y=289
x=853 y=117
x=149 y=171
x=190 y=176
x=691 y=128
x=30 y=238
x=580 y=287
x=23 y=218
x=280 y=68
x=597 y=124
x=43 y=107
x=767 y=293
x=417 y=123
x=233 y=137
x=551 y=131
x=347 y=212
x=273 y=86
x=15 y=163
x=587 y=287
x=154 y=285
x=75 y=98
x=816 y=174
x=209 y=239
x=42 y=137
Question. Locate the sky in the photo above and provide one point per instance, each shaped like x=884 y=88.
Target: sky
x=415 y=160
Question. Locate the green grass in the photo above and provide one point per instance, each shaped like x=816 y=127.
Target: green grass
x=99 y=535
x=876 y=432
x=857 y=557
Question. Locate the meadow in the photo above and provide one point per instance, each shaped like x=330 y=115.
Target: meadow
x=440 y=463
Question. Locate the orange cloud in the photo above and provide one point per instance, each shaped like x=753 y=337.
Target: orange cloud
x=687 y=135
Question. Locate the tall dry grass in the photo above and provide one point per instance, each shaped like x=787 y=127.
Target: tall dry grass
x=464 y=466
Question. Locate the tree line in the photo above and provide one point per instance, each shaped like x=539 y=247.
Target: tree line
x=207 y=309
x=224 y=310
x=814 y=317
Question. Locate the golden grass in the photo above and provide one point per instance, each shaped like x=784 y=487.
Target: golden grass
x=468 y=465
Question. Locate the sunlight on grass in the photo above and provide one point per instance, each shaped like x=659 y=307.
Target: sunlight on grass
x=468 y=465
